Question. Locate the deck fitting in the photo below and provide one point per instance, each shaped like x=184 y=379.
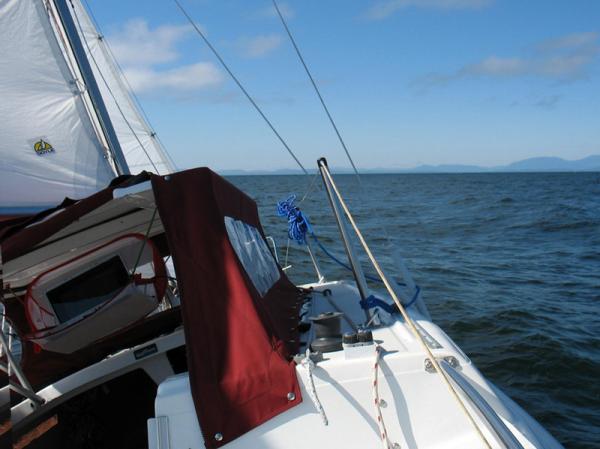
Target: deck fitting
x=429 y=366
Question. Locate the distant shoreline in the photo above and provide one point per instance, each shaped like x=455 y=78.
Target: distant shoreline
x=531 y=165
x=406 y=172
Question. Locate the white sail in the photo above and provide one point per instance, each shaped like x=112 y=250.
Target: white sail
x=140 y=146
x=49 y=147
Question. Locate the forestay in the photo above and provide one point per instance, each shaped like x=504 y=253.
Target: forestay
x=140 y=146
x=49 y=148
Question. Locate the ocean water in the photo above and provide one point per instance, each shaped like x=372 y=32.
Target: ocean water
x=509 y=265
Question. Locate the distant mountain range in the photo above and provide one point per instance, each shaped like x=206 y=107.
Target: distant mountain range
x=534 y=164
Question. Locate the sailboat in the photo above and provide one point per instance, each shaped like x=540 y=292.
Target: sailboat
x=149 y=310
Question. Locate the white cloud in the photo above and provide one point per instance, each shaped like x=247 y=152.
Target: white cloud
x=563 y=59
x=143 y=51
x=384 y=9
x=496 y=66
x=548 y=102
x=137 y=44
x=184 y=78
x=259 y=46
x=575 y=40
x=286 y=11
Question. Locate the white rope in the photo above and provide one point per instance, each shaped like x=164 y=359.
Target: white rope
x=309 y=365
x=382 y=430
x=405 y=315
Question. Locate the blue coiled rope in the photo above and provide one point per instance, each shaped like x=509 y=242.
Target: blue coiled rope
x=299 y=225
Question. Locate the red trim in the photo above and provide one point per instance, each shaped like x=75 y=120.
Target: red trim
x=159 y=280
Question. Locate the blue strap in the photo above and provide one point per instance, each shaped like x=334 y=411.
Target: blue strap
x=373 y=301
x=414 y=298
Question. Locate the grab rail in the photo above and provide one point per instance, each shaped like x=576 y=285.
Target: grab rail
x=504 y=434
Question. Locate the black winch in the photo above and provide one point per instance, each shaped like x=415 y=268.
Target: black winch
x=328 y=334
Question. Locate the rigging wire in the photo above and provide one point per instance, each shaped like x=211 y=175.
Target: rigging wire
x=239 y=84
x=310 y=188
x=316 y=88
x=129 y=89
x=110 y=90
x=326 y=109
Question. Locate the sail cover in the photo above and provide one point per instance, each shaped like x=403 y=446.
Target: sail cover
x=140 y=145
x=49 y=148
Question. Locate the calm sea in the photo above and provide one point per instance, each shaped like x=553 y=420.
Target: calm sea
x=509 y=265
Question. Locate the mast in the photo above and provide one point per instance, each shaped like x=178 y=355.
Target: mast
x=62 y=8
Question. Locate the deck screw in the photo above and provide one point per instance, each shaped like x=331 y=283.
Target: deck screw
x=219 y=436
x=429 y=367
x=452 y=361
x=291 y=396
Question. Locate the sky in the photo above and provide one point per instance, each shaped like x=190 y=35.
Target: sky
x=408 y=82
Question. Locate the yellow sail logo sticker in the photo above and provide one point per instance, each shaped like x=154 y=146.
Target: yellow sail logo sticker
x=42 y=147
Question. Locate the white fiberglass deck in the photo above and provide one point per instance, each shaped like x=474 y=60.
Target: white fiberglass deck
x=417 y=408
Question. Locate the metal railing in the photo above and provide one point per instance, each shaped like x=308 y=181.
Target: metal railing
x=11 y=365
x=504 y=435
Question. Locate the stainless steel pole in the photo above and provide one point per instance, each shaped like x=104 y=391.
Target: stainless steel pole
x=359 y=275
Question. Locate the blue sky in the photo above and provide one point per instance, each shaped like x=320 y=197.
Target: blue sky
x=409 y=82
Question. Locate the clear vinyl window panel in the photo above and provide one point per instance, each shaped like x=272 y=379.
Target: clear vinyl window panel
x=89 y=289
x=253 y=253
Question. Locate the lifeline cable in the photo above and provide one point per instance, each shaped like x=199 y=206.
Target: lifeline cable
x=402 y=310
x=239 y=84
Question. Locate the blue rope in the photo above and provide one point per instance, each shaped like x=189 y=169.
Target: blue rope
x=299 y=226
x=372 y=302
